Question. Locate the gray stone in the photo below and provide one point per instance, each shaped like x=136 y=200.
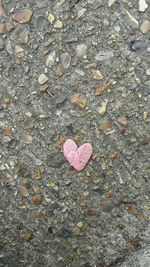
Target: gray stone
x=55 y=160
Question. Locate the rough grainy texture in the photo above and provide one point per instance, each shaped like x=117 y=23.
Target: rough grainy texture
x=50 y=51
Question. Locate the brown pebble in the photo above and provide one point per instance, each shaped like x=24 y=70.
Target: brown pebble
x=7 y=131
x=26 y=236
x=107 y=206
x=113 y=155
x=20 y=203
x=37 y=174
x=131 y=209
x=24 y=16
x=79 y=100
x=7 y=101
x=91 y=212
x=23 y=191
x=145 y=140
x=105 y=125
x=66 y=17
x=36 y=200
x=109 y=194
x=77 y=138
x=61 y=142
x=59 y=71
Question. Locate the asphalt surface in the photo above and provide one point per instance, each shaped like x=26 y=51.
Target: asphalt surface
x=74 y=70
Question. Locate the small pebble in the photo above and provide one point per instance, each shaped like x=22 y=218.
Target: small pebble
x=50 y=59
x=27 y=139
x=26 y=236
x=80 y=11
x=42 y=79
x=145 y=116
x=111 y=2
x=107 y=206
x=51 y=18
x=142 y=5
x=106 y=22
x=65 y=60
x=80 y=72
x=58 y=24
x=37 y=189
x=9 y=27
x=24 y=37
x=23 y=191
x=103 y=108
x=6 y=139
x=9 y=48
x=24 y=16
x=148 y=72
x=97 y=75
x=49 y=42
x=55 y=160
x=79 y=100
x=109 y=194
x=105 y=125
x=81 y=50
x=37 y=175
x=100 y=90
x=123 y=120
x=104 y=55
x=7 y=101
x=145 y=27
x=80 y=225
x=36 y=200
x=8 y=131
x=18 y=49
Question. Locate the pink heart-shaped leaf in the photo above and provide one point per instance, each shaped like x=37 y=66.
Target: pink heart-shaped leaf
x=77 y=157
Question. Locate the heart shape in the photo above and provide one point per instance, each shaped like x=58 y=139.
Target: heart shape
x=77 y=157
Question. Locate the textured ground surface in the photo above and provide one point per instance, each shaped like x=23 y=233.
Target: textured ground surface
x=95 y=62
